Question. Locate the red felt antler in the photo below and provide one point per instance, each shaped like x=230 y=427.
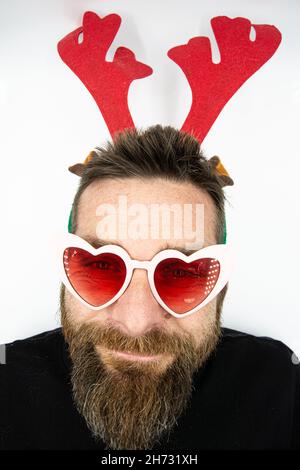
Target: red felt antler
x=212 y=84
x=108 y=82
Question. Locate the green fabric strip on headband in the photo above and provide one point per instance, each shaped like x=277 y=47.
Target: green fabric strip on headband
x=70 y=221
x=70 y=226
x=225 y=232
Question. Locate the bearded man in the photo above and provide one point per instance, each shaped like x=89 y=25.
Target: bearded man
x=141 y=360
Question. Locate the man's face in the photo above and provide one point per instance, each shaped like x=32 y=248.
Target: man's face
x=133 y=362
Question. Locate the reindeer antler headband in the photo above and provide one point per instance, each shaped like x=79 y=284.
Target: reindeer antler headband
x=212 y=85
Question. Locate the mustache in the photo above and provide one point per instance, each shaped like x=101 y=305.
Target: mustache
x=156 y=341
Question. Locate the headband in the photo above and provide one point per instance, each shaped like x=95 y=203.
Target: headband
x=212 y=84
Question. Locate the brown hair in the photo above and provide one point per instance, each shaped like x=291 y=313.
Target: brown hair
x=158 y=151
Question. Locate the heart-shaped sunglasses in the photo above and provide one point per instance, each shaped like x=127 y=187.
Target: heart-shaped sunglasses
x=181 y=284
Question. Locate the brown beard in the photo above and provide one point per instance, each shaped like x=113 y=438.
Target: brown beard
x=131 y=404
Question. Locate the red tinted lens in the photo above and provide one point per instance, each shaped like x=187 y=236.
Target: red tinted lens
x=183 y=286
x=97 y=279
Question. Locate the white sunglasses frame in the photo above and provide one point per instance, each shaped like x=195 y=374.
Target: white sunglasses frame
x=221 y=252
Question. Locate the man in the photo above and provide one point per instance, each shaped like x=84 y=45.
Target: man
x=131 y=375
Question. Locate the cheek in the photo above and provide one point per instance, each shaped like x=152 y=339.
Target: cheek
x=79 y=313
x=201 y=322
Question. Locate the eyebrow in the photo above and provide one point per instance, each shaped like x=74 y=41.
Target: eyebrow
x=98 y=243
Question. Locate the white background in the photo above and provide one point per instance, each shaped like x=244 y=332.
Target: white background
x=50 y=121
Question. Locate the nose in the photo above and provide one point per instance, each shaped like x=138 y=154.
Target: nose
x=137 y=311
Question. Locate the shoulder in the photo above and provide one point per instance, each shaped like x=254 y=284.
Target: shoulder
x=32 y=379
x=258 y=358
x=35 y=353
x=31 y=365
x=39 y=343
x=263 y=367
x=258 y=345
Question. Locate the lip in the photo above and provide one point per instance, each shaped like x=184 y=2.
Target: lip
x=136 y=357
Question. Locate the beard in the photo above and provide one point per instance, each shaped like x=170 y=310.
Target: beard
x=132 y=404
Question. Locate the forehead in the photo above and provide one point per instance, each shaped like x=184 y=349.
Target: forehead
x=146 y=214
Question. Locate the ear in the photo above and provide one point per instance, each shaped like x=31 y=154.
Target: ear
x=220 y=171
x=78 y=168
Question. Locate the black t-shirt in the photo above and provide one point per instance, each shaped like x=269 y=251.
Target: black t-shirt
x=247 y=396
